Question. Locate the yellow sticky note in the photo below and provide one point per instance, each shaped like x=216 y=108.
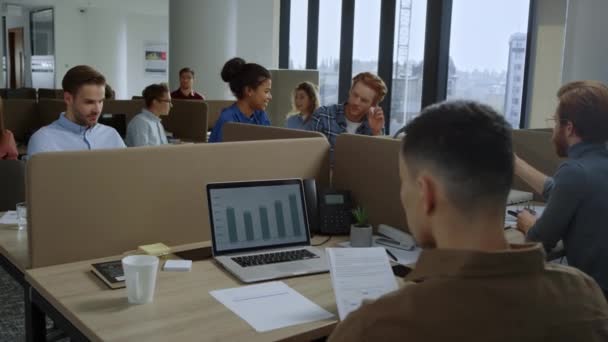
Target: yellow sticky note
x=156 y=249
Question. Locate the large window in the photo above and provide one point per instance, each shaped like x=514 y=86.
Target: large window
x=366 y=37
x=448 y=49
x=328 y=56
x=488 y=64
x=297 y=34
x=410 y=21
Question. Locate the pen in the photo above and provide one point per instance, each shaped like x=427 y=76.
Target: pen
x=391 y=255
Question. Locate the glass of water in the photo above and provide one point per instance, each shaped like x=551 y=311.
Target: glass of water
x=22 y=215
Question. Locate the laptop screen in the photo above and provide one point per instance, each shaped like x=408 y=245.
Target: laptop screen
x=254 y=215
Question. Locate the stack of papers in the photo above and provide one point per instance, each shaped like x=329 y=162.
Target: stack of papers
x=10 y=217
x=282 y=306
x=359 y=274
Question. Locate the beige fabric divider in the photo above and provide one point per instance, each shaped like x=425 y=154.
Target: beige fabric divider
x=245 y=132
x=46 y=93
x=128 y=107
x=91 y=204
x=20 y=118
x=368 y=167
x=536 y=148
x=187 y=120
x=214 y=108
x=49 y=111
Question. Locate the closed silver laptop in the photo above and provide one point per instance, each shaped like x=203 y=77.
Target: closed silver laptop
x=260 y=230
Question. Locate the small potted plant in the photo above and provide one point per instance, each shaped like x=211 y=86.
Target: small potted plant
x=361 y=231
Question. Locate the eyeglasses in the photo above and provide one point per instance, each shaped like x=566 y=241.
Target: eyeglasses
x=165 y=100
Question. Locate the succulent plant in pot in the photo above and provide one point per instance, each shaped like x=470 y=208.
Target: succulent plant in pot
x=361 y=230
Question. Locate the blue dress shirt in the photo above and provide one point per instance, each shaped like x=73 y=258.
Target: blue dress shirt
x=65 y=135
x=297 y=122
x=146 y=129
x=233 y=114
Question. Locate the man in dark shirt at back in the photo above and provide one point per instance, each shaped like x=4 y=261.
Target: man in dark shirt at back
x=577 y=195
x=186 y=86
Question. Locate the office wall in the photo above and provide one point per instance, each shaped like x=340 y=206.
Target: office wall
x=142 y=28
x=546 y=60
x=586 y=46
x=109 y=38
x=204 y=34
x=258 y=32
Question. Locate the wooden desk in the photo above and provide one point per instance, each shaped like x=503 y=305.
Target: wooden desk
x=14 y=250
x=183 y=309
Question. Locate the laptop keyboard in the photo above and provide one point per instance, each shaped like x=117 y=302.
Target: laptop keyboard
x=274 y=258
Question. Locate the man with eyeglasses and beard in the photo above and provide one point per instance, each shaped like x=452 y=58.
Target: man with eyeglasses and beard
x=577 y=195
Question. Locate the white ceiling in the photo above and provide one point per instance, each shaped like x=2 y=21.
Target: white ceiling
x=157 y=7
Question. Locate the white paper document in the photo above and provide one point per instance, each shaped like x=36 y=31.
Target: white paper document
x=10 y=217
x=403 y=256
x=358 y=274
x=270 y=306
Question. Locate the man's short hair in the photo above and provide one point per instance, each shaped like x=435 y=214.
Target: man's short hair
x=186 y=69
x=374 y=82
x=154 y=92
x=467 y=145
x=585 y=104
x=81 y=75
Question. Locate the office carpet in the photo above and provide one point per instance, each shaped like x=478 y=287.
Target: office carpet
x=12 y=321
x=11 y=309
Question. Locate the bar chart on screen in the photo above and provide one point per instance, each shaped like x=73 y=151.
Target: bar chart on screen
x=256 y=216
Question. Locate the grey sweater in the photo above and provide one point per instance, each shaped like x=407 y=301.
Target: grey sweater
x=577 y=210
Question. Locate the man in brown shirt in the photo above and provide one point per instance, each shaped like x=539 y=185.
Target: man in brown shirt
x=469 y=284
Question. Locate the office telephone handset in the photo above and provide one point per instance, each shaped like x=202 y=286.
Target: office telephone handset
x=393 y=237
x=329 y=211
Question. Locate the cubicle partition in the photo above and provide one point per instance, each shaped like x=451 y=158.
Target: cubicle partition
x=214 y=108
x=536 y=148
x=129 y=108
x=49 y=110
x=187 y=120
x=20 y=118
x=84 y=205
x=368 y=167
x=233 y=131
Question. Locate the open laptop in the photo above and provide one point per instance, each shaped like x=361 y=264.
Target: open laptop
x=260 y=230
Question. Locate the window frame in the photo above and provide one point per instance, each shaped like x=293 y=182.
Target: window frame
x=436 y=49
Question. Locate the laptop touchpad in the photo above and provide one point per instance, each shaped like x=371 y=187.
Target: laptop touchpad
x=293 y=267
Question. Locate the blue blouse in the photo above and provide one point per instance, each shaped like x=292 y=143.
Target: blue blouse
x=233 y=114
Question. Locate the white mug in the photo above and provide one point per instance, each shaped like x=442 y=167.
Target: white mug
x=140 y=276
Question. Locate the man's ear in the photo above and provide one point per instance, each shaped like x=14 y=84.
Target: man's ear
x=428 y=193
x=68 y=98
x=570 y=130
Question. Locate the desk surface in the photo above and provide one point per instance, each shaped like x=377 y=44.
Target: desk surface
x=182 y=309
x=14 y=246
